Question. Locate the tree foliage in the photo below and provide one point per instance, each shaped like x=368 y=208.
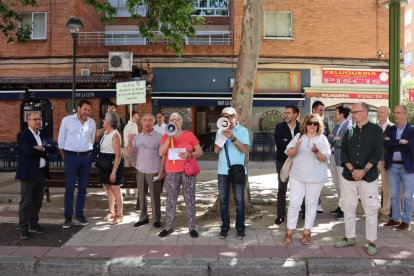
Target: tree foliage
x=170 y=20
x=9 y=23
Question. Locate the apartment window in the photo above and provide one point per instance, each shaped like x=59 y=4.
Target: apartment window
x=408 y=17
x=277 y=82
x=37 y=24
x=407 y=37
x=278 y=25
x=122 y=11
x=211 y=7
x=407 y=58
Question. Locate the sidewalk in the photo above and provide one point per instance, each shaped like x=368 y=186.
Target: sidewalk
x=100 y=248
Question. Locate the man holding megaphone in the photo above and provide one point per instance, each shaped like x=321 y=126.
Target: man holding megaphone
x=232 y=143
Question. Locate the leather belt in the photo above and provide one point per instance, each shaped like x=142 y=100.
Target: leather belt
x=397 y=162
x=78 y=153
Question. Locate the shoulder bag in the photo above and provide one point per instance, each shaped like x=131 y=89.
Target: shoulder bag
x=102 y=163
x=191 y=167
x=287 y=166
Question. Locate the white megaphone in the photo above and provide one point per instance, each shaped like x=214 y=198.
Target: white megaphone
x=223 y=123
x=170 y=129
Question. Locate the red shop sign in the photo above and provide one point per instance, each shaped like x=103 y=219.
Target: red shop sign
x=351 y=76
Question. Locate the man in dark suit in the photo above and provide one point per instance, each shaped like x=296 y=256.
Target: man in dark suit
x=284 y=132
x=32 y=171
x=399 y=161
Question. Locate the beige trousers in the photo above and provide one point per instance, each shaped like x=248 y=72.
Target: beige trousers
x=336 y=172
x=385 y=188
x=368 y=193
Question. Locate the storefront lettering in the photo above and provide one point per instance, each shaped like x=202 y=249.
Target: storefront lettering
x=224 y=103
x=85 y=94
x=353 y=81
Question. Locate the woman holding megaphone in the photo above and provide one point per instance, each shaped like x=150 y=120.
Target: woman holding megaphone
x=179 y=145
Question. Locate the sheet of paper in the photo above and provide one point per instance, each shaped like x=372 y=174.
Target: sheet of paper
x=155 y=178
x=174 y=153
x=221 y=140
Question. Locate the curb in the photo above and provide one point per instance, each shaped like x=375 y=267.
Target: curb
x=208 y=267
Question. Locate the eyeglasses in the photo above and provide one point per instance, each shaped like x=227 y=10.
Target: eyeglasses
x=174 y=120
x=312 y=123
x=356 y=111
x=36 y=119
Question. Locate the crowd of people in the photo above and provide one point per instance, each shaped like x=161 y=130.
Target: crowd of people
x=356 y=152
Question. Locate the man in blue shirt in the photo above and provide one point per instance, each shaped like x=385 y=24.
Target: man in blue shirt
x=75 y=142
x=232 y=144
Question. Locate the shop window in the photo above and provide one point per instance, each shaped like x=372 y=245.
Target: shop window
x=277 y=82
x=407 y=37
x=103 y=107
x=211 y=7
x=36 y=21
x=278 y=25
x=44 y=107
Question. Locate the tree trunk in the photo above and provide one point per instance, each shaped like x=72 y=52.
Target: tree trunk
x=242 y=98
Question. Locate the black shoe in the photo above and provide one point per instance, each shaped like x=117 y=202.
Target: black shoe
x=340 y=215
x=336 y=211
x=38 y=230
x=223 y=234
x=165 y=233
x=193 y=233
x=241 y=235
x=24 y=235
x=157 y=224
x=82 y=220
x=67 y=224
x=142 y=222
x=279 y=220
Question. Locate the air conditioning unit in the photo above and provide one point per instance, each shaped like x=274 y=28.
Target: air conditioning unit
x=120 y=61
x=85 y=73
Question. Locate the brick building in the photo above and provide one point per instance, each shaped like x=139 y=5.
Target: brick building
x=326 y=50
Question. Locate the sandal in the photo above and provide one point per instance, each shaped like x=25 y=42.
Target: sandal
x=117 y=220
x=109 y=216
x=306 y=239
x=288 y=238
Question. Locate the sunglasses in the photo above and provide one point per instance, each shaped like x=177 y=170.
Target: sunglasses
x=312 y=123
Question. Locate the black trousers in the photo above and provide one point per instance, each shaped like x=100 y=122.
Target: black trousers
x=281 y=192
x=31 y=201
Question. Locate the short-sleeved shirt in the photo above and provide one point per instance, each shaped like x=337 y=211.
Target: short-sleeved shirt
x=188 y=141
x=146 y=148
x=235 y=155
x=306 y=167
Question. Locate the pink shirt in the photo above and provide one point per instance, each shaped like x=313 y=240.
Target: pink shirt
x=186 y=140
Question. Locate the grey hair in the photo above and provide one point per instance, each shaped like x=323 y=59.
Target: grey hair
x=386 y=108
x=30 y=113
x=176 y=114
x=364 y=106
x=148 y=115
x=113 y=119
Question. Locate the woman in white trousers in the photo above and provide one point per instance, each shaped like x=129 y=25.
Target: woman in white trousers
x=311 y=151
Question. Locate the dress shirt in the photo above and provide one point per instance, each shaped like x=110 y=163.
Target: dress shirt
x=132 y=128
x=160 y=129
x=397 y=154
x=39 y=143
x=75 y=136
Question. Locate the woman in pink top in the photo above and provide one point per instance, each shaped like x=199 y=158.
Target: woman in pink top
x=175 y=175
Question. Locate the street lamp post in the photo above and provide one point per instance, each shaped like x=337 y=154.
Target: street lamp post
x=394 y=41
x=74 y=25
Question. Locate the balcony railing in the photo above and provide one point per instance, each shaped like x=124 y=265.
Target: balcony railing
x=131 y=38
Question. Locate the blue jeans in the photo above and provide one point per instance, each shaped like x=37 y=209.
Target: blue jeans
x=398 y=177
x=76 y=167
x=224 y=193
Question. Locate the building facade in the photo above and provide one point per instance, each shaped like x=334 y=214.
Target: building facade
x=326 y=50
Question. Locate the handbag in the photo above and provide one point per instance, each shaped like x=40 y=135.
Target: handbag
x=191 y=167
x=284 y=172
x=103 y=163
x=287 y=166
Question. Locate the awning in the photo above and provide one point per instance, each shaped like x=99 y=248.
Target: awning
x=222 y=99
x=346 y=92
x=56 y=94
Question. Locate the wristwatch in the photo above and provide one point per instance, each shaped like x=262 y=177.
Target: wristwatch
x=365 y=170
x=233 y=139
